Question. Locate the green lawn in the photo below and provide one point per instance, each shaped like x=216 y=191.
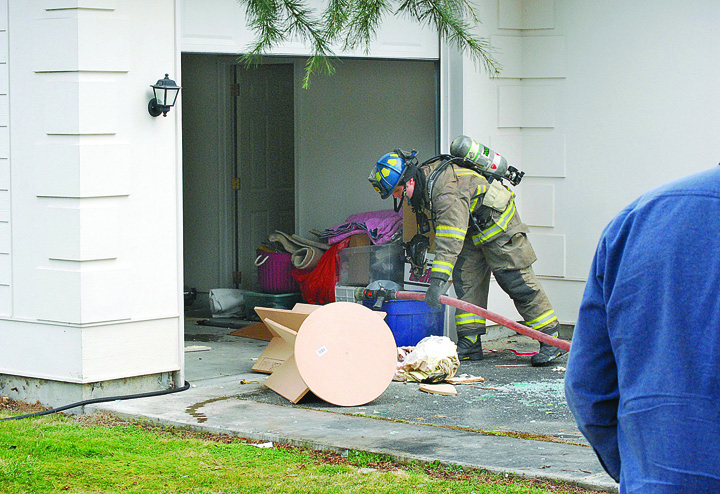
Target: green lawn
x=101 y=454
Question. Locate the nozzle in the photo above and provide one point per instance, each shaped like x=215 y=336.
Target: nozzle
x=380 y=291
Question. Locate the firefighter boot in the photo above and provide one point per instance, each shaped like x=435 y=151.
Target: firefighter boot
x=469 y=348
x=547 y=352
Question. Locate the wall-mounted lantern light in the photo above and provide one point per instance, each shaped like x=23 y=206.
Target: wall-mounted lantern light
x=165 y=92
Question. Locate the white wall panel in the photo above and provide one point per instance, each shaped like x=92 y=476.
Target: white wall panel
x=530 y=57
x=541 y=154
x=550 y=250
x=4 y=238
x=509 y=54
x=83 y=293
x=3 y=15
x=82 y=233
x=211 y=26
x=526 y=14
x=510 y=106
x=3 y=76
x=220 y=26
x=4 y=205
x=4 y=174
x=4 y=110
x=41 y=350
x=80 y=107
x=5 y=270
x=544 y=155
x=88 y=35
x=109 y=350
x=543 y=57
x=79 y=4
x=81 y=355
x=5 y=300
x=539 y=106
x=538 y=204
x=89 y=170
x=4 y=142
x=526 y=106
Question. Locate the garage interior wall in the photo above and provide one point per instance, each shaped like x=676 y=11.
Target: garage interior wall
x=343 y=124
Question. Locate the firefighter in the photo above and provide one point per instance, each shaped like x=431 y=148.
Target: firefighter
x=477 y=232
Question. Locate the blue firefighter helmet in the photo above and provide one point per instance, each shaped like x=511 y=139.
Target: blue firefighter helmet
x=388 y=173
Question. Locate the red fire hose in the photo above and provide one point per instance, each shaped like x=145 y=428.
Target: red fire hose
x=504 y=321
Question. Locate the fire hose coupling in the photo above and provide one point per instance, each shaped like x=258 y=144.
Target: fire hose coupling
x=380 y=291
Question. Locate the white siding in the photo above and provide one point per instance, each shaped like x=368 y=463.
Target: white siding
x=90 y=196
x=220 y=26
x=597 y=103
x=5 y=227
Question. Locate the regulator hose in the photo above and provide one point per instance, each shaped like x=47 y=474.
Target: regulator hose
x=100 y=400
x=504 y=321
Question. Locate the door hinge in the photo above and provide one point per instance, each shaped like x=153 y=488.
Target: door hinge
x=235 y=183
x=237 y=277
x=235 y=89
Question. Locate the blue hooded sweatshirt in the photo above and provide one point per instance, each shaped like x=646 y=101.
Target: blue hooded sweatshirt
x=643 y=376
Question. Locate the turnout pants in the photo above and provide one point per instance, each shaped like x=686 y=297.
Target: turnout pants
x=509 y=258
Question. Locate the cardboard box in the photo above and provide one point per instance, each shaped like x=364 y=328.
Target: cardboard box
x=410 y=226
x=359 y=240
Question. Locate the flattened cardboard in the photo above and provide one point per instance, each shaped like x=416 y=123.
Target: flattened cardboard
x=439 y=389
x=286 y=381
x=278 y=350
x=257 y=331
x=305 y=308
x=359 y=240
x=289 y=318
x=273 y=356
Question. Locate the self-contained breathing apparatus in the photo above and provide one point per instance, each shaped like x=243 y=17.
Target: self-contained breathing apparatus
x=464 y=152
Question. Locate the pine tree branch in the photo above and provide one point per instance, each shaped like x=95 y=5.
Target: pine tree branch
x=448 y=17
x=354 y=23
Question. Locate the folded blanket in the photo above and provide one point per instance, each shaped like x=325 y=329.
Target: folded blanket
x=305 y=253
x=380 y=226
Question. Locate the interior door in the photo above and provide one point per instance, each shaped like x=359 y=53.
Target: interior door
x=265 y=180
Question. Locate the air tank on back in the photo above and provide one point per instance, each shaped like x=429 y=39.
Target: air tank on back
x=488 y=162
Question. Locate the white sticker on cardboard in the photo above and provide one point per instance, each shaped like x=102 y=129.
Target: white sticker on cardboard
x=321 y=351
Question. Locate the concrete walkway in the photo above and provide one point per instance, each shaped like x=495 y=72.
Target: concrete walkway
x=417 y=426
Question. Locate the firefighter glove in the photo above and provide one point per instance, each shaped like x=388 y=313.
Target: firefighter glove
x=432 y=296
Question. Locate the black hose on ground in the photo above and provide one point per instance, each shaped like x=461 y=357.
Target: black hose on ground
x=100 y=400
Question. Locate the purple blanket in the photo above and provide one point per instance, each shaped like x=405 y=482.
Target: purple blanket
x=380 y=226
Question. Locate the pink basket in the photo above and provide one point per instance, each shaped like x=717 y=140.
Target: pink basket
x=275 y=272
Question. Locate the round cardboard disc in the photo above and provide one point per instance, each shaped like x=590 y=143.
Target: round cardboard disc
x=346 y=354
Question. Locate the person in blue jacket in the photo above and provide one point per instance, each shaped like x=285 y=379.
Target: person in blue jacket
x=643 y=376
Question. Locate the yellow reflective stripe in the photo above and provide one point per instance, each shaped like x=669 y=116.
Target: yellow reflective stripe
x=442 y=267
x=467 y=318
x=480 y=191
x=450 y=232
x=542 y=321
x=460 y=173
x=496 y=228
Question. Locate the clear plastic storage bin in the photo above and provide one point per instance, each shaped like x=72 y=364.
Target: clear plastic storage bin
x=360 y=266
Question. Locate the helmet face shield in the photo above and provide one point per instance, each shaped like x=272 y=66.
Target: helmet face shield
x=387 y=174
